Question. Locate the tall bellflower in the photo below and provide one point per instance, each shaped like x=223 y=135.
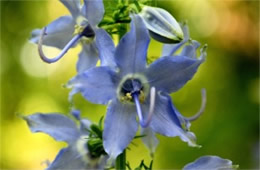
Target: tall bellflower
x=66 y=31
x=133 y=89
x=77 y=155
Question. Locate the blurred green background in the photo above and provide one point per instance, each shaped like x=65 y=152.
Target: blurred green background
x=229 y=127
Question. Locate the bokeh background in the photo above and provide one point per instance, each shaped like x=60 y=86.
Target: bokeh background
x=229 y=127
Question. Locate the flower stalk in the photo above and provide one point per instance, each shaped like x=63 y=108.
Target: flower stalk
x=121 y=161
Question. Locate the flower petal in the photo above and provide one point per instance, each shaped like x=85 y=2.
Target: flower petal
x=97 y=84
x=68 y=158
x=120 y=127
x=106 y=48
x=170 y=49
x=132 y=49
x=88 y=57
x=210 y=163
x=190 y=50
x=166 y=122
x=73 y=6
x=169 y=74
x=149 y=139
x=94 y=11
x=59 y=32
x=60 y=127
x=77 y=156
x=84 y=123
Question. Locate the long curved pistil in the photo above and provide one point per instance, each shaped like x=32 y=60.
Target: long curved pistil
x=145 y=123
x=62 y=53
x=202 y=107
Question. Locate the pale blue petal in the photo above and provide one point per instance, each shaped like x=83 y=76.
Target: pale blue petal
x=210 y=163
x=76 y=157
x=106 y=48
x=170 y=49
x=190 y=50
x=73 y=6
x=169 y=74
x=97 y=84
x=166 y=122
x=132 y=49
x=58 y=32
x=88 y=57
x=94 y=11
x=120 y=127
x=68 y=158
x=149 y=139
x=60 y=127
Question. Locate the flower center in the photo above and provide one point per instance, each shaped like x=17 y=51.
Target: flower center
x=132 y=86
x=134 y=89
x=83 y=27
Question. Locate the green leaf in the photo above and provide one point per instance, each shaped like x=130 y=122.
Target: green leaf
x=101 y=122
x=96 y=130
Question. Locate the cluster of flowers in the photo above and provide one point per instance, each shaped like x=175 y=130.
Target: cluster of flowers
x=124 y=81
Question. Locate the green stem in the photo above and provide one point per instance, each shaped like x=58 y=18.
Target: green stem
x=137 y=6
x=121 y=161
x=122 y=29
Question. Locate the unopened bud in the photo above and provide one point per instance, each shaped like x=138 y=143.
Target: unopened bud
x=162 y=25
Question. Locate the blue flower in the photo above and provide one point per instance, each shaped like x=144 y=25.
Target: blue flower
x=66 y=31
x=62 y=128
x=137 y=89
x=210 y=163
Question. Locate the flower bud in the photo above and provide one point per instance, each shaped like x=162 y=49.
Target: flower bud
x=161 y=25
